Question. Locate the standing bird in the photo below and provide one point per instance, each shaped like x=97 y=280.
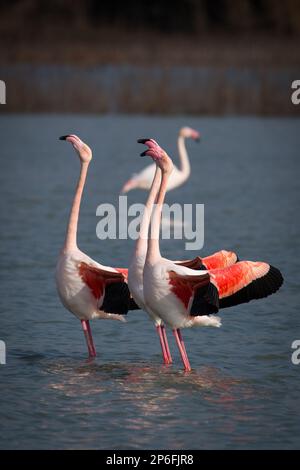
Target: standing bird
x=86 y=288
x=136 y=268
x=183 y=297
x=220 y=259
x=143 y=180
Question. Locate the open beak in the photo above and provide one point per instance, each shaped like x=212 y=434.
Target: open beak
x=143 y=141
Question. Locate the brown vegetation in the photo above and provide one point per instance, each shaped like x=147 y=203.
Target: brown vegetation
x=229 y=39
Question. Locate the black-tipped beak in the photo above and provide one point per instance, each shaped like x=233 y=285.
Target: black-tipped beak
x=197 y=139
x=143 y=154
x=63 y=137
x=142 y=141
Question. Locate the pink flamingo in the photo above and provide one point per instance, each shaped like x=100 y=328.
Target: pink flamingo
x=144 y=178
x=183 y=297
x=86 y=288
x=135 y=272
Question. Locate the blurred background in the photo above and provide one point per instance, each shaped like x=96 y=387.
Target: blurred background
x=113 y=72
x=158 y=57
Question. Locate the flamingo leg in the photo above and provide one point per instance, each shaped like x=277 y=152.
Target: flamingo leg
x=182 y=349
x=181 y=341
x=162 y=343
x=163 y=329
x=88 y=337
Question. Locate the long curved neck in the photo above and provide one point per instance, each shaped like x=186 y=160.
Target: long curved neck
x=71 y=235
x=153 y=253
x=142 y=241
x=185 y=167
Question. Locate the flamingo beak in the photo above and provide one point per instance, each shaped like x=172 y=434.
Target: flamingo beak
x=143 y=141
x=64 y=137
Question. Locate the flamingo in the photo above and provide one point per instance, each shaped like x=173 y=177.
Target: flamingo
x=183 y=297
x=86 y=288
x=179 y=176
x=135 y=271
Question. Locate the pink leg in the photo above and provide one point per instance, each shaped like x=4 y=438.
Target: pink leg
x=91 y=338
x=88 y=336
x=182 y=350
x=181 y=341
x=162 y=343
x=163 y=329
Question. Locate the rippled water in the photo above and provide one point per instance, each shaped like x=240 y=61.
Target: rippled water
x=243 y=391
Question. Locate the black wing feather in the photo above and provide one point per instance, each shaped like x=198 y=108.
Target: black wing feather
x=206 y=301
x=116 y=298
x=257 y=289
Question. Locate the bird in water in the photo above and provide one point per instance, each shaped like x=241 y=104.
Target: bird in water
x=87 y=288
x=220 y=259
x=183 y=297
x=144 y=178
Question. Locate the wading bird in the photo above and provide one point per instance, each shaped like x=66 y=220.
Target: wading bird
x=86 y=288
x=182 y=297
x=143 y=180
x=220 y=259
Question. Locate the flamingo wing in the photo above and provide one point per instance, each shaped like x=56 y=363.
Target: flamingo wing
x=195 y=263
x=196 y=292
x=133 y=305
x=108 y=286
x=245 y=281
x=220 y=259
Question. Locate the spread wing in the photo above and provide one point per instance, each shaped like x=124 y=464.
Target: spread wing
x=220 y=259
x=245 y=281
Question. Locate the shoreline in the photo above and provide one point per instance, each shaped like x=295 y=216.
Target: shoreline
x=135 y=89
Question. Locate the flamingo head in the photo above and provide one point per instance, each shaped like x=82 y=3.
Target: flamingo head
x=189 y=133
x=157 y=154
x=84 y=152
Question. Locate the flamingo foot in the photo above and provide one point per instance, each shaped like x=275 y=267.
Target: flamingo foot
x=88 y=337
x=162 y=344
x=163 y=329
x=182 y=350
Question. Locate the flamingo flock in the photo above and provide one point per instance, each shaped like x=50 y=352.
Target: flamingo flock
x=175 y=294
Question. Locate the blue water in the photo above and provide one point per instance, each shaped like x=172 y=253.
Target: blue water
x=244 y=390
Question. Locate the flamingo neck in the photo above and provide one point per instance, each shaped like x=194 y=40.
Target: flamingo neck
x=153 y=252
x=142 y=241
x=185 y=167
x=71 y=235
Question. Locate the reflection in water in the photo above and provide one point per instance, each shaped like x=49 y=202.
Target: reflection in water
x=147 y=392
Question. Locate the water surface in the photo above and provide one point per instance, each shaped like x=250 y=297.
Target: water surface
x=243 y=391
